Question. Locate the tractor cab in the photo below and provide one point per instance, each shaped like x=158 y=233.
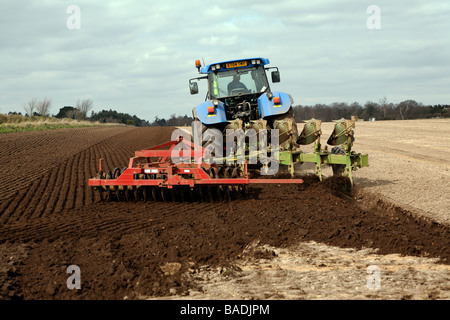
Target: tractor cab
x=238 y=89
x=235 y=78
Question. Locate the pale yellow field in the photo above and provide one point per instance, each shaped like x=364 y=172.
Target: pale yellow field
x=409 y=163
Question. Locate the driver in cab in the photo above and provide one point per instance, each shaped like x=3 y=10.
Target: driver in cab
x=236 y=84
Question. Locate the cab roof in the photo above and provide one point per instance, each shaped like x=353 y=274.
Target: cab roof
x=234 y=64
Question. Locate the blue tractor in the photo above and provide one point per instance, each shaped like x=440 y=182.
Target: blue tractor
x=239 y=97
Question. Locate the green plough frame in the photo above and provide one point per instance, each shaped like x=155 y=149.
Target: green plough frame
x=342 y=136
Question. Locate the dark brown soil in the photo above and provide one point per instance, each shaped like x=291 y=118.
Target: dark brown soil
x=52 y=221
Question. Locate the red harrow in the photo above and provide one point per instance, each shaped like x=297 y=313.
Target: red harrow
x=152 y=175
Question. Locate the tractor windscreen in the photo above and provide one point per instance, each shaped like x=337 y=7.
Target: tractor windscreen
x=239 y=81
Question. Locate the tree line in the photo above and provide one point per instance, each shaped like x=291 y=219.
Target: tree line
x=173 y=121
x=41 y=108
x=80 y=111
x=112 y=116
x=381 y=110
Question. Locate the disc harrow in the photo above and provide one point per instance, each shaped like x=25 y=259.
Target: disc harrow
x=153 y=175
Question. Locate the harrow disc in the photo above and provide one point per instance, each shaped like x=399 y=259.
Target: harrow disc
x=215 y=190
x=164 y=195
x=191 y=195
x=185 y=194
x=154 y=194
x=239 y=190
x=172 y=195
x=136 y=194
x=109 y=196
x=119 y=193
x=224 y=191
x=100 y=175
x=146 y=194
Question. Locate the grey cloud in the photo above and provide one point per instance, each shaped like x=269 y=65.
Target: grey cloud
x=137 y=56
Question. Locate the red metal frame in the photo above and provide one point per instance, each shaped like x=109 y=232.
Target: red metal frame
x=176 y=174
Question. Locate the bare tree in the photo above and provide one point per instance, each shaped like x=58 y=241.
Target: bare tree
x=30 y=106
x=383 y=104
x=84 y=106
x=73 y=114
x=43 y=107
x=405 y=106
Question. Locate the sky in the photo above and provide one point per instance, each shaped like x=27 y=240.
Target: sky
x=137 y=57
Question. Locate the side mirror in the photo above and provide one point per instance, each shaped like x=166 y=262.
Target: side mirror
x=275 y=76
x=193 y=87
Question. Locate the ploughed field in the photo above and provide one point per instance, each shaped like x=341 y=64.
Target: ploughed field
x=309 y=241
